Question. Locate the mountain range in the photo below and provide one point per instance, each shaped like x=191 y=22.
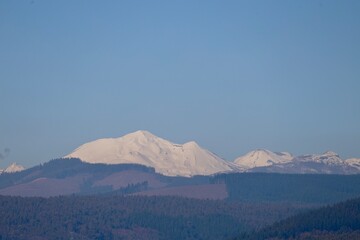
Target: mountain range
x=141 y=163
x=228 y=198
x=189 y=159
x=326 y=163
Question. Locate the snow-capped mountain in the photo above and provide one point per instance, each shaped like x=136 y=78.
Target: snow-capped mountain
x=190 y=159
x=329 y=157
x=13 y=168
x=326 y=163
x=144 y=148
x=354 y=162
x=262 y=158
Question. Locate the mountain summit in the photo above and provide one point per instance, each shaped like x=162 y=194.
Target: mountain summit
x=262 y=158
x=14 y=167
x=142 y=147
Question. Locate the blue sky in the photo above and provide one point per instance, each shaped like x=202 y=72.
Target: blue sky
x=231 y=75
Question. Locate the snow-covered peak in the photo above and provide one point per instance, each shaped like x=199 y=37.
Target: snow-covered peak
x=330 y=154
x=283 y=162
x=191 y=145
x=140 y=134
x=142 y=147
x=328 y=157
x=14 y=168
x=354 y=162
x=262 y=158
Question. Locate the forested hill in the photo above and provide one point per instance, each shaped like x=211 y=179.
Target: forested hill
x=301 y=188
x=72 y=176
x=118 y=217
x=340 y=221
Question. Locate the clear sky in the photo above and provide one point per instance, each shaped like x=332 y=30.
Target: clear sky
x=232 y=75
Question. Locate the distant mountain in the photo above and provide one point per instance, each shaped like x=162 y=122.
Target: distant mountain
x=263 y=158
x=144 y=148
x=12 y=168
x=326 y=163
x=189 y=159
x=354 y=162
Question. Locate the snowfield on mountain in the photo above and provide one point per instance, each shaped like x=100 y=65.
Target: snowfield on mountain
x=144 y=148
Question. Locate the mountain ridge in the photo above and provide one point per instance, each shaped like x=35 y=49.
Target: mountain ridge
x=189 y=159
x=142 y=147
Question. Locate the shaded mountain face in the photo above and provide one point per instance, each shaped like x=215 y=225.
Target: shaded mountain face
x=59 y=177
x=144 y=148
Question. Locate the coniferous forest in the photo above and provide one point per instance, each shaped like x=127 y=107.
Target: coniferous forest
x=118 y=217
x=340 y=221
x=256 y=205
x=134 y=217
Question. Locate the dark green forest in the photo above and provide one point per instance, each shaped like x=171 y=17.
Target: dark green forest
x=133 y=217
x=301 y=188
x=255 y=202
x=340 y=221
